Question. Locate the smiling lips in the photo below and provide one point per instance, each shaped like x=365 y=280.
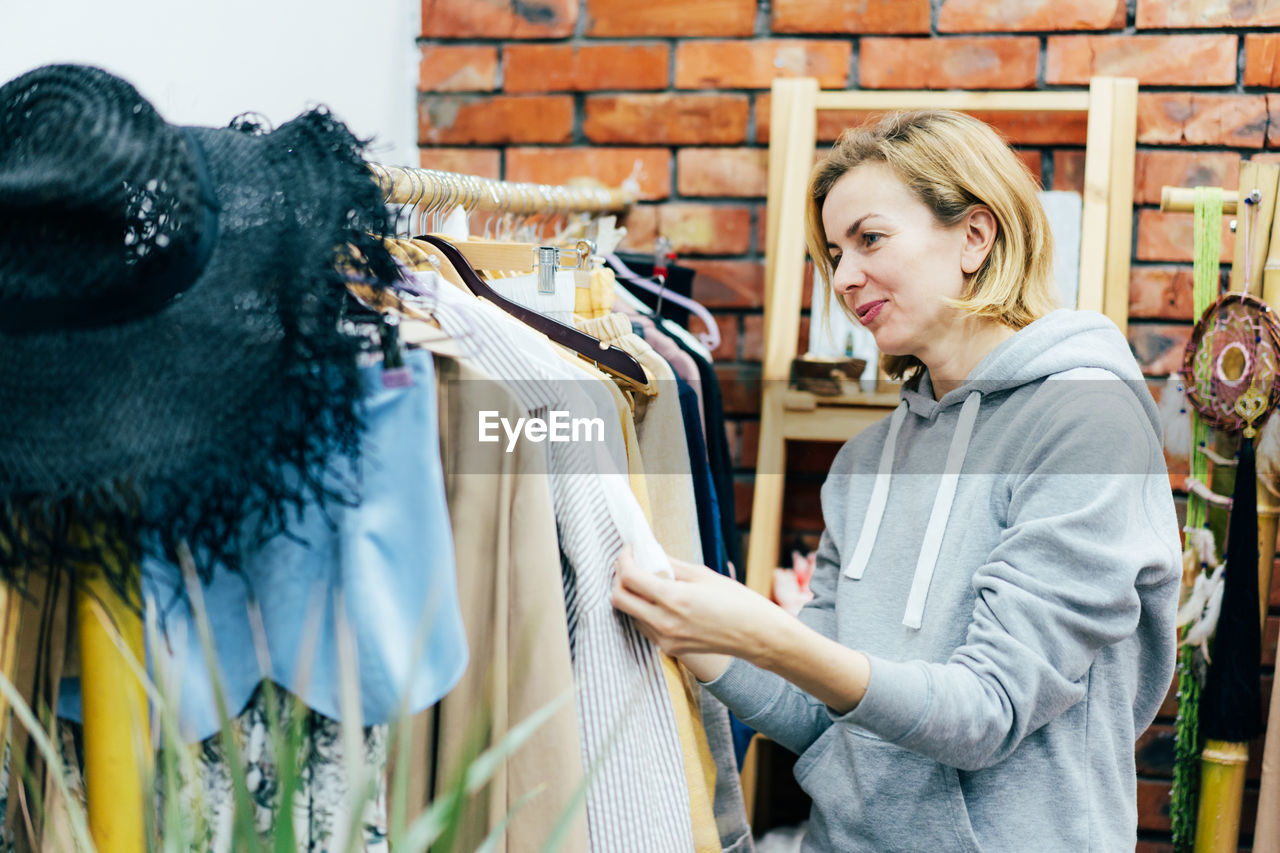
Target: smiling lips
x=868 y=312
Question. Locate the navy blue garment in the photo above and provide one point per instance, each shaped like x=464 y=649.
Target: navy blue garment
x=721 y=469
x=704 y=492
x=718 y=456
x=742 y=735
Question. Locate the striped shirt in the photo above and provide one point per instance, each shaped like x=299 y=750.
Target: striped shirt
x=638 y=798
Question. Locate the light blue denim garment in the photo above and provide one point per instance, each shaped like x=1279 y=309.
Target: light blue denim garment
x=391 y=559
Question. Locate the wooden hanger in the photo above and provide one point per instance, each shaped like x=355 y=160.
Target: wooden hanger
x=416 y=257
x=616 y=361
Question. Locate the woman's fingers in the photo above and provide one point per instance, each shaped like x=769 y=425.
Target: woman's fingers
x=631 y=600
x=682 y=571
x=638 y=580
x=645 y=614
x=688 y=571
x=673 y=614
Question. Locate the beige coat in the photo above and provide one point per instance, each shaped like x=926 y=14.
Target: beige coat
x=512 y=602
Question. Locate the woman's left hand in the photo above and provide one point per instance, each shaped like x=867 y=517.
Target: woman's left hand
x=700 y=617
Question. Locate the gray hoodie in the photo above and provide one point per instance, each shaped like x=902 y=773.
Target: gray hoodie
x=1008 y=558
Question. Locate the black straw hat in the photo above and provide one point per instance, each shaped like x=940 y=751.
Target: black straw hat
x=173 y=365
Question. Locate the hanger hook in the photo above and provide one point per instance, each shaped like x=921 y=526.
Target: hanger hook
x=473 y=194
x=415 y=195
x=511 y=199
x=391 y=173
x=425 y=200
x=488 y=195
x=533 y=221
x=438 y=187
x=446 y=193
x=455 y=192
x=432 y=199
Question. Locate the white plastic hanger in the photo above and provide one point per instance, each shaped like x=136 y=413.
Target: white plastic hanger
x=710 y=338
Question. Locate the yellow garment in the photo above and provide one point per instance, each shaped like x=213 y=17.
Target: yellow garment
x=595 y=300
x=660 y=432
x=699 y=765
x=635 y=466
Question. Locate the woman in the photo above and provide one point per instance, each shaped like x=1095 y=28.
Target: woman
x=996 y=587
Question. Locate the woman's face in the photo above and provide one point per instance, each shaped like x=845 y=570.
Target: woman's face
x=894 y=264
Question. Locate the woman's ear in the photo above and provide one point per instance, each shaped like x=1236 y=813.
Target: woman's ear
x=979 y=237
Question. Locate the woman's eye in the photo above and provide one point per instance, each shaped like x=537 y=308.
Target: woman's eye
x=835 y=261
x=870 y=238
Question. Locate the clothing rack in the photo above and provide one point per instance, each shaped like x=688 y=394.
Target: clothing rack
x=430 y=187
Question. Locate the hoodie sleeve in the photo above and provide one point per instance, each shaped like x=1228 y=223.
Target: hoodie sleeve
x=768 y=702
x=1090 y=558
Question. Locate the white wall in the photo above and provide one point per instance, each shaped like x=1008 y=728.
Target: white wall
x=204 y=62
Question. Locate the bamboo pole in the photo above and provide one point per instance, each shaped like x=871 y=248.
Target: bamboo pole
x=117 y=752
x=1266 y=831
x=1182 y=199
x=1221 y=790
x=10 y=619
x=408 y=185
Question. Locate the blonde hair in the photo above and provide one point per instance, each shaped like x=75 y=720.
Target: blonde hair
x=952 y=162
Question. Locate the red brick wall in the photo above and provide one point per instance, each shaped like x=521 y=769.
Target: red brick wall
x=676 y=93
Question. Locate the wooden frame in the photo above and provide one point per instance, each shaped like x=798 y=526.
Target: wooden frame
x=1107 y=221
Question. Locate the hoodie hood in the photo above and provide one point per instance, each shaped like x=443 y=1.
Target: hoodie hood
x=1057 y=342
x=1063 y=344
x=1065 y=340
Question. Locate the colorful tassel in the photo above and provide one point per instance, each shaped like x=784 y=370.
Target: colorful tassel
x=1231 y=704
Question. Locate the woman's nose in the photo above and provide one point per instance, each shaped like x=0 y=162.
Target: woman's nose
x=846 y=276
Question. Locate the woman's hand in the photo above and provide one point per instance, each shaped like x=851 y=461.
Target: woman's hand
x=706 y=620
x=700 y=617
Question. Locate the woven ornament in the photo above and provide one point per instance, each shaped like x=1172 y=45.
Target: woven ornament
x=1230 y=364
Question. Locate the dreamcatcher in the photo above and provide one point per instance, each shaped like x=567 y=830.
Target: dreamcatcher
x=1230 y=362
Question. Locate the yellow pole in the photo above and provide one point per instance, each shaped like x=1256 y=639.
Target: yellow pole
x=1222 y=769
x=10 y=617
x=117 y=750
x=1267 y=530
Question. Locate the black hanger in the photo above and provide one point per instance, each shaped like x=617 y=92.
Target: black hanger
x=617 y=361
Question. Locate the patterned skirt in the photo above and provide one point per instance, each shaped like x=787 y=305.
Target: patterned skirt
x=338 y=802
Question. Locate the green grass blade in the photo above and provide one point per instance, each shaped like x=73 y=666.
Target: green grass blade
x=246 y=834
x=53 y=760
x=488 y=762
x=495 y=835
x=443 y=813
x=565 y=824
x=431 y=824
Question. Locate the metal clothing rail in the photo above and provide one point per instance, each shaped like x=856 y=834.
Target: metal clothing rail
x=408 y=185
